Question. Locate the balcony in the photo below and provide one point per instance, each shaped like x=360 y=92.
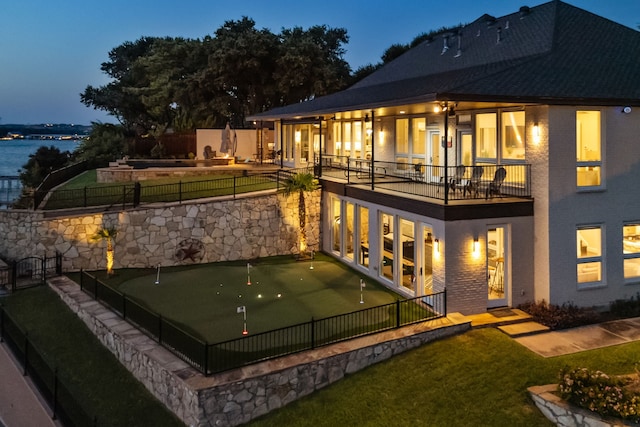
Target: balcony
x=464 y=183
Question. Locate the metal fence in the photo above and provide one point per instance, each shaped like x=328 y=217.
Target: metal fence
x=56 y=178
x=481 y=181
x=212 y=358
x=135 y=194
x=63 y=404
x=30 y=271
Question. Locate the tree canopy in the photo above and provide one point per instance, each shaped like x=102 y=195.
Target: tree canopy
x=159 y=83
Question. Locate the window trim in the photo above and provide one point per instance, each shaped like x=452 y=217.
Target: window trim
x=591 y=259
x=591 y=163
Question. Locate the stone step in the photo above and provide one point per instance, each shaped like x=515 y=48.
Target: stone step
x=522 y=329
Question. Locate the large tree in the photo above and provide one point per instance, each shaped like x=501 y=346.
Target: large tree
x=158 y=83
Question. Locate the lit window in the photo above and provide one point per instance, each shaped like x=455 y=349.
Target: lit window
x=402 y=136
x=513 y=135
x=631 y=250
x=588 y=149
x=486 y=131
x=589 y=254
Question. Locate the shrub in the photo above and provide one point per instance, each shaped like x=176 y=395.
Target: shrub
x=599 y=393
x=560 y=316
x=626 y=308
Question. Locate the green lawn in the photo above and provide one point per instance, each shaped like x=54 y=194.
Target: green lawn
x=84 y=190
x=102 y=386
x=475 y=379
x=204 y=298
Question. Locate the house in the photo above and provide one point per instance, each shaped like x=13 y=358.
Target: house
x=498 y=160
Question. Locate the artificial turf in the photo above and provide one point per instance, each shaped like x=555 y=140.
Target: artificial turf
x=204 y=299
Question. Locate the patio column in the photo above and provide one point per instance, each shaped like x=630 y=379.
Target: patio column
x=373 y=147
x=445 y=111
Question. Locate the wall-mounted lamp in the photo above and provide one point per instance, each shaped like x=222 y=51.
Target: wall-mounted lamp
x=298 y=137
x=436 y=248
x=626 y=110
x=476 y=248
x=536 y=133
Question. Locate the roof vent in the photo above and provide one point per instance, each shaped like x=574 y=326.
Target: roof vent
x=524 y=11
x=445 y=46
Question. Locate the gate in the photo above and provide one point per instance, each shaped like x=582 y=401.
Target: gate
x=30 y=271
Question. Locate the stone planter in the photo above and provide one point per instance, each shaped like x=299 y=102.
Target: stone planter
x=564 y=414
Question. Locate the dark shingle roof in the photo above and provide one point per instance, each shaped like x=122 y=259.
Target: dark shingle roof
x=555 y=53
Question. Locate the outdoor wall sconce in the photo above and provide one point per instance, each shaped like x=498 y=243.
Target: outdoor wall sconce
x=476 y=248
x=298 y=137
x=436 y=248
x=536 y=134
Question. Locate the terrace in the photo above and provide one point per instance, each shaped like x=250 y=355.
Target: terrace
x=466 y=184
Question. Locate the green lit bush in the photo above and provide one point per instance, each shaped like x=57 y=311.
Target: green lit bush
x=600 y=393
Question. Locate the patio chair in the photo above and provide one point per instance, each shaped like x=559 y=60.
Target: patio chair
x=417 y=174
x=456 y=182
x=496 y=184
x=473 y=184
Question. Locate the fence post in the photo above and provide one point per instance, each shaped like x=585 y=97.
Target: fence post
x=206 y=358
x=124 y=197
x=444 y=295
x=180 y=192
x=14 y=275
x=397 y=313
x=136 y=194
x=85 y=197
x=58 y=263
x=124 y=306
x=26 y=351
x=43 y=277
x=313 y=333
x=234 y=187
x=55 y=394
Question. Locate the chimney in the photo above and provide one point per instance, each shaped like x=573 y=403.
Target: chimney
x=524 y=11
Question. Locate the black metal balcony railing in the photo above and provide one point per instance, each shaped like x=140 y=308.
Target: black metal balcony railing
x=463 y=182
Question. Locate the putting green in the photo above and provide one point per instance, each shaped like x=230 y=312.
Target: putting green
x=204 y=299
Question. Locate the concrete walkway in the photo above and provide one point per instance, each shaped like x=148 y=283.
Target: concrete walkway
x=20 y=404
x=557 y=343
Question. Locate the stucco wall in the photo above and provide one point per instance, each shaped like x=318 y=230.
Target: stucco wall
x=221 y=229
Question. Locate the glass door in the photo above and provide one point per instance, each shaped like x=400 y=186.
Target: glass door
x=434 y=171
x=497 y=277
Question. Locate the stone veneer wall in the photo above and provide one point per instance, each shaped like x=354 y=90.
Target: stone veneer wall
x=248 y=227
x=564 y=414
x=241 y=395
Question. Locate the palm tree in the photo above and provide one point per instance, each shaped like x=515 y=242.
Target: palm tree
x=300 y=183
x=108 y=234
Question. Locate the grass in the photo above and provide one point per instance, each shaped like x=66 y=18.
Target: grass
x=203 y=299
x=102 y=386
x=475 y=379
x=85 y=190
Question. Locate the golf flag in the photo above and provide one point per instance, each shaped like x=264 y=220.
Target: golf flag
x=241 y=309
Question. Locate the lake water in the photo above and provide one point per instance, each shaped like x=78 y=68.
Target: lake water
x=15 y=153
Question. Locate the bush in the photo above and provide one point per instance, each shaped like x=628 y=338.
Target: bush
x=599 y=393
x=626 y=308
x=560 y=316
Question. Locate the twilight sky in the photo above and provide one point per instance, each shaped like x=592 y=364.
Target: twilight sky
x=51 y=50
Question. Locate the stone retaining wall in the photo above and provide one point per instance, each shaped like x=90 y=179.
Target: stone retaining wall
x=238 y=396
x=220 y=229
x=563 y=414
